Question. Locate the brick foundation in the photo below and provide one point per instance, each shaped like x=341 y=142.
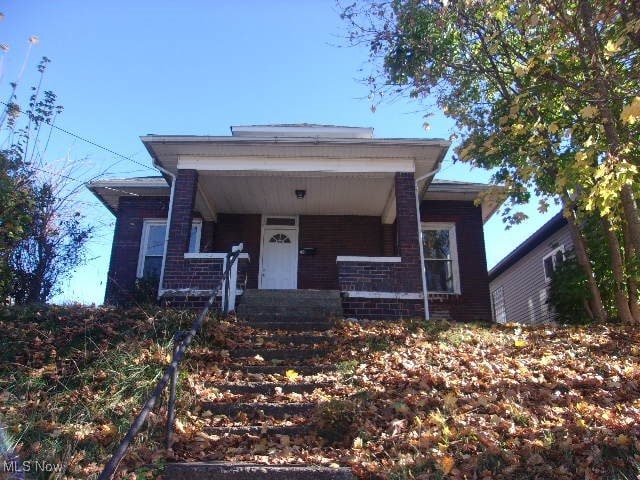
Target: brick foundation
x=382 y=308
x=185 y=302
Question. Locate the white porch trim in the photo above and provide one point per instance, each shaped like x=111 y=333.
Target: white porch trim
x=193 y=292
x=220 y=255
x=266 y=163
x=395 y=295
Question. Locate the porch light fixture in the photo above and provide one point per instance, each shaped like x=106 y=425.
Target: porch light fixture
x=300 y=194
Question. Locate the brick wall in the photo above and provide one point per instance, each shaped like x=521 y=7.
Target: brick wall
x=389 y=248
x=125 y=249
x=407 y=233
x=207 y=236
x=371 y=277
x=473 y=302
x=195 y=273
x=331 y=236
x=233 y=229
x=382 y=308
x=180 y=229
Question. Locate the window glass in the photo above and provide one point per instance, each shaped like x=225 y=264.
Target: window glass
x=438 y=246
x=152 y=266
x=155 y=239
x=551 y=262
x=193 y=240
x=499 y=312
x=439 y=276
x=154 y=233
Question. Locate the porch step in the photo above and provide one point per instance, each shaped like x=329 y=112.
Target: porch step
x=267 y=388
x=295 y=339
x=255 y=405
x=290 y=324
x=290 y=306
x=269 y=431
x=246 y=471
x=274 y=410
x=282 y=369
x=279 y=353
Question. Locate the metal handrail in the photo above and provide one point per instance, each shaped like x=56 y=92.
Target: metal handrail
x=182 y=340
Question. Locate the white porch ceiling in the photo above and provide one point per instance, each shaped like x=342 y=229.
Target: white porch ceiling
x=274 y=194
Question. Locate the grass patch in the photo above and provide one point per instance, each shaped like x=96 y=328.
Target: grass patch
x=72 y=378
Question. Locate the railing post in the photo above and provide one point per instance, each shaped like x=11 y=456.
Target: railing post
x=178 y=337
x=225 y=296
x=233 y=277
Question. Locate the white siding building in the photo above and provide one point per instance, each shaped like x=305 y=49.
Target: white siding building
x=520 y=282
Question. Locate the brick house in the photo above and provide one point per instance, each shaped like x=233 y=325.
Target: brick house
x=316 y=207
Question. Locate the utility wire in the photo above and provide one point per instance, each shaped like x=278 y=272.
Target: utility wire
x=90 y=142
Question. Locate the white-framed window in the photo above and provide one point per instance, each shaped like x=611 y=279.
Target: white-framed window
x=441 y=257
x=551 y=261
x=152 y=245
x=497 y=304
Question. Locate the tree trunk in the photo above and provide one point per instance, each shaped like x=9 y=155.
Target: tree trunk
x=603 y=88
x=632 y=284
x=632 y=217
x=622 y=301
x=595 y=303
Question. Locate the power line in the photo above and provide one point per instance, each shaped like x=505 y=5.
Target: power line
x=90 y=142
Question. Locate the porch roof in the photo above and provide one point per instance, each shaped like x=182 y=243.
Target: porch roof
x=296 y=154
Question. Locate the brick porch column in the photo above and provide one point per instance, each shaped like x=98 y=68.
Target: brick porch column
x=407 y=232
x=184 y=196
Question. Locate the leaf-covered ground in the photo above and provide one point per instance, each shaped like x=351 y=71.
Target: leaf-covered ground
x=406 y=400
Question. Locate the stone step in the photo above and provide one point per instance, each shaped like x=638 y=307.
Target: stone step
x=247 y=471
x=279 y=353
x=274 y=410
x=253 y=293
x=300 y=339
x=282 y=368
x=267 y=388
x=286 y=316
x=264 y=430
x=291 y=325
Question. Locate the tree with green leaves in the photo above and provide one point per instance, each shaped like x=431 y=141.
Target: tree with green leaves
x=545 y=93
x=42 y=233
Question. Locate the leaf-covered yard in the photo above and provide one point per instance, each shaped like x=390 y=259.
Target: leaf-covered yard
x=411 y=399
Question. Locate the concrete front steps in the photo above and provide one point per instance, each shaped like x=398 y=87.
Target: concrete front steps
x=299 y=310
x=247 y=471
x=259 y=404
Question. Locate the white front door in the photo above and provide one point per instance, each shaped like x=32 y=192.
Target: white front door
x=279 y=258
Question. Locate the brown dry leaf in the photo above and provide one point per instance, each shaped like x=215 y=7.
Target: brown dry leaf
x=446 y=464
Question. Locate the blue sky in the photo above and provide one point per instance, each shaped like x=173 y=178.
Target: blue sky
x=125 y=69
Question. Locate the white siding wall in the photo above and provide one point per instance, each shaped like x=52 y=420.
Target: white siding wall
x=524 y=285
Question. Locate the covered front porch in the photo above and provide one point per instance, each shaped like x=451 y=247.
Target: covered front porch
x=323 y=214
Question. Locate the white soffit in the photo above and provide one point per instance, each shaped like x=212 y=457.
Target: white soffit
x=274 y=194
x=461 y=191
x=109 y=191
